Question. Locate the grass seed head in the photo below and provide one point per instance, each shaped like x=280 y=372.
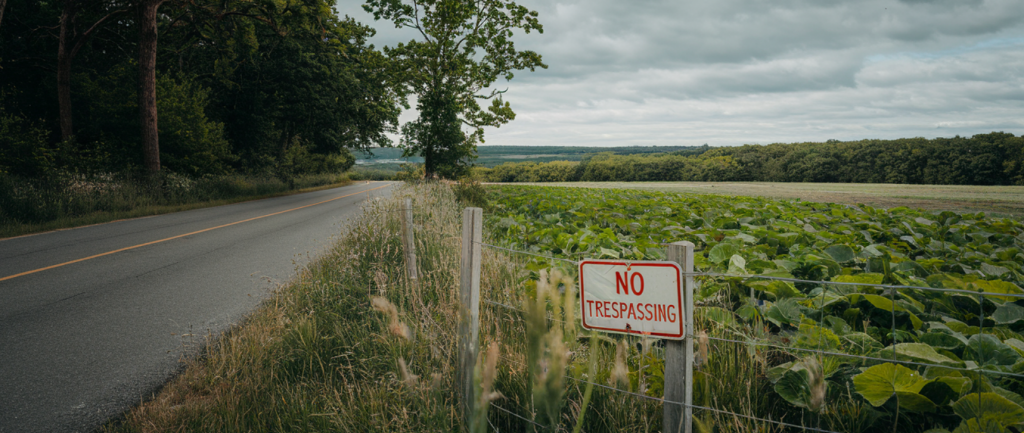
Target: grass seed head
x=409 y=379
x=489 y=373
x=620 y=372
x=382 y=305
x=702 y=348
x=816 y=380
x=400 y=329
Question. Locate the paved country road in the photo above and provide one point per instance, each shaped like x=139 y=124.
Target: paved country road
x=82 y=342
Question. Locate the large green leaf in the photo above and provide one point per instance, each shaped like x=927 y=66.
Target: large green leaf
x=859 y=343
x=1008 y=314
x=737 y=265
x=881 y=382
x=998 y=286
x=840 y=253
x=722 y=252
x=975 y=425
x=987 y=350
x=777 y=289
x=886 y=306
x=866 y=278
x=801 y=383
x=944 y=341
x=917 y=352
x=940 y=392
x=784 y=312
x=989 y=406
x=1016 y=345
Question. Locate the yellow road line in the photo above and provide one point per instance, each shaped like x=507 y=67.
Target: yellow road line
x=180 y=236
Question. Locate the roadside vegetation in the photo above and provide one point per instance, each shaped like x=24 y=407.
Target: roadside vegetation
x=31 y=206
x=352 y=345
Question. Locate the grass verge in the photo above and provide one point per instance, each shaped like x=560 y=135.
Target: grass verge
x=351 y=345
x=29 y=208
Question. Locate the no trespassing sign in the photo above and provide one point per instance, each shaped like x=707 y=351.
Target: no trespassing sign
x=641 y=298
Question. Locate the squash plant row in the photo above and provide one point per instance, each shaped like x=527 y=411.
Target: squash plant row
x=962 y=353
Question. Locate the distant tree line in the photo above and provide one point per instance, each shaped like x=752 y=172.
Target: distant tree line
x=278 y=87
x=996 y=158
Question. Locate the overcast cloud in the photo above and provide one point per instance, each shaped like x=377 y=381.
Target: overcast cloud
x=733 y=72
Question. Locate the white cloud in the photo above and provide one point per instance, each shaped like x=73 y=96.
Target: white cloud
x=732 y=72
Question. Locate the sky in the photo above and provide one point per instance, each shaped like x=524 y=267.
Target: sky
x=734 y=72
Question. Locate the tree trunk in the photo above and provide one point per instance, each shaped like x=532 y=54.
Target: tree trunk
x=3 y=4
x=147 y=84
x=67 y=17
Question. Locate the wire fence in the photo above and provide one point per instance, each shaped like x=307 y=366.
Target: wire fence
x=898 y=296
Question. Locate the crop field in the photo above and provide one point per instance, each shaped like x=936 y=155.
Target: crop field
x=999 y=200
x=834 y=316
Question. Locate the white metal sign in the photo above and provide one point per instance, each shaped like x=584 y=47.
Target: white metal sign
x=644 y=298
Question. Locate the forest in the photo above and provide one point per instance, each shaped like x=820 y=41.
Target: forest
x=250 y=87
x=995 y=158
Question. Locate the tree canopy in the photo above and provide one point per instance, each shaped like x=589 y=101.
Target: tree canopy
x=464 y=46
x=256 y=86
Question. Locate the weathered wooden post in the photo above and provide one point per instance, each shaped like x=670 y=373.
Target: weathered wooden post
x=409 y=242
x=679 y=354
x=469 y=311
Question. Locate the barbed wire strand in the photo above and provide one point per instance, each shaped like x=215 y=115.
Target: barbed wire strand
x=782 y=278
x=509 y=307
x=868 y=358
x=694 y=406
x=529 y=253
x=518 y=416
x=761 y=344
x=844 y=283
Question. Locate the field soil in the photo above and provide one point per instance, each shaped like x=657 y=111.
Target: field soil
x=997 y=200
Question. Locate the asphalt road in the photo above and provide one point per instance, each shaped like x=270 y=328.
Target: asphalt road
x=82 y=342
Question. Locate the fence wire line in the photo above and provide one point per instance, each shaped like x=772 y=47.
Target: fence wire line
x=844 y=283
x=693 y=406
x=529 y=253
x=869 y=358
x=509 y=307
x=518 y=416
x=792 y=280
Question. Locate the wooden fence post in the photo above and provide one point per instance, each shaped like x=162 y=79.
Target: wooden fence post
x=409 y=242
x=679 y=354
x=469 y=311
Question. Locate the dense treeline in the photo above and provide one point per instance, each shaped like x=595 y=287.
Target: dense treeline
x=986 y=159
x=263 y=87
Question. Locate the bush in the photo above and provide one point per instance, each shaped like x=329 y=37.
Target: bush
x=23 y=145
x=190 y=142
x=469 y=191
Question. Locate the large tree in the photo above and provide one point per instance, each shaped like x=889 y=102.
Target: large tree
x=69 y=41
x=463 y=48
x=147 y=23
x=290 y=74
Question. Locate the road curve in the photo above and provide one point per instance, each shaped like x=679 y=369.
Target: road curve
x=84 y=340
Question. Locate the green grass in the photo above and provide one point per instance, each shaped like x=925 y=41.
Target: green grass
x=319 y=356
x=31 y=206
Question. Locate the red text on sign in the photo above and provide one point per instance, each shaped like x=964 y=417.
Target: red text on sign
x=629 y=310
x=622 y=278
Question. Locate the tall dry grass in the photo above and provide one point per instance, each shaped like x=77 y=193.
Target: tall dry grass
x=351 y=345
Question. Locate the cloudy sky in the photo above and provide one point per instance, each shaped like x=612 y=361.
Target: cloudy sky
x=731 y=72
